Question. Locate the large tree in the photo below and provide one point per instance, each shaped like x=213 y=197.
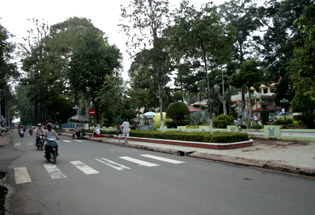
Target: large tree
x=146 y=20
x=279 y=41
x=87 y=56
x=245 y=17
x=8 y=71
x=302 y=65
x=201 y=35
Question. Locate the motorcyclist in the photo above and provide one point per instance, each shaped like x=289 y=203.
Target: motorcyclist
x=38 y=131
x=50 y=134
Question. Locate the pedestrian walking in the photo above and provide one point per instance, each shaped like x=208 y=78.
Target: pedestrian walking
x=120 y=130
x=125 y=129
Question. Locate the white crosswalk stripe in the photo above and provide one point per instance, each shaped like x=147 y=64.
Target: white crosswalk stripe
x=17 y=144
x=162 y=159
x=21 y=175
x=67 y=141
x=112 y=164
x=139 y=162
x=84 y=168
x=80 y=141
x=54 y=172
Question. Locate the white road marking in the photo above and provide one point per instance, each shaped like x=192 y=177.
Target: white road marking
x=84 y=168
x=140 y=162
x=113 y=164
x=17 y=144
x=67 y=141
x=21 y=175
x=162 y=159
x=54 y=172
x=31 y=144
x=80 y=141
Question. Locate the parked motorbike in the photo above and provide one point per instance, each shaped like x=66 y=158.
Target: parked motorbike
x=40 y=142
x=51 y=150
x=21 y=133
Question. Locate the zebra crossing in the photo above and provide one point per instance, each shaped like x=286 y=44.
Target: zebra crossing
x=33 y=143
x=22 y=176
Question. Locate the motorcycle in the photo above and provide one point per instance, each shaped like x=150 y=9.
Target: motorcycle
x=21 y=133
x=51 y=150
x=30 y=131
x=40 y=142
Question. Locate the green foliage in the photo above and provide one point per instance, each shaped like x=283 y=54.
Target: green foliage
x=177 y=96
x=302 y=65
x=285 y=123
x=222 y=121
x=307 y=119
x=264 y=115
x=234 y=115
x=255 y=125
x=179 y=113
x=60 y=109
x=217 y=137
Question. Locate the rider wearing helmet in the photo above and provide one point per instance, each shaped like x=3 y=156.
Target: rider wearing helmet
x=50 y=133
x=38 y=131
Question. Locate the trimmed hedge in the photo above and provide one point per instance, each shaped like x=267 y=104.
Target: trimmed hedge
x=217 y=137
x=222 y=121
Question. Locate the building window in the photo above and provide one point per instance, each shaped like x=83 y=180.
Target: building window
x=265 y=90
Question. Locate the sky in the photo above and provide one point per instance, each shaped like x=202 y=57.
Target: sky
x=104 y=14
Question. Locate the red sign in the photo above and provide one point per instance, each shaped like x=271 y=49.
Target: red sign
x=92 y=112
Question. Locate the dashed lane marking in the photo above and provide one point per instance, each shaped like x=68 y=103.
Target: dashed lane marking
x=21 y=175
x=140 y=162
x=17 y=144
x=162 y=159
x=112 y=164
x=84 y=168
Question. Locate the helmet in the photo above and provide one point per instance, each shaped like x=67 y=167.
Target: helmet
x=49 y=125
x=39 y=124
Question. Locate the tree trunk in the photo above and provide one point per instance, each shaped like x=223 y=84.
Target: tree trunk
x=250 y=107
x=209 y=94
x=161 y=106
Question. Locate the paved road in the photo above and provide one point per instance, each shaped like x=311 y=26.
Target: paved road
x=96 y=178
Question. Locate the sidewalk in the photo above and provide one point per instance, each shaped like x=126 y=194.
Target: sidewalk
x=289 y=156
x=5 y=140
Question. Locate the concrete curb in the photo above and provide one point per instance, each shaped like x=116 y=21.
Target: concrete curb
x=272 y=165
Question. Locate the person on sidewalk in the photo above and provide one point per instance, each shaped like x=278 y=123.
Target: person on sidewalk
x=119 y=128
x=125 y=126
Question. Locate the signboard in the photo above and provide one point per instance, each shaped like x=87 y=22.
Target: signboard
x=92 y=112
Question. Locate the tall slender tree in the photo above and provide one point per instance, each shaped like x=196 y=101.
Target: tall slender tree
x=146 y=20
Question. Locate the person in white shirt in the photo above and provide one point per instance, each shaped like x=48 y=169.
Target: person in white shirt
x=126 y=126
x=97 y=131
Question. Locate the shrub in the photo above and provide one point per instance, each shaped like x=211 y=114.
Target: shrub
x=280 y=121
x=264 y=115
x=222 y=121
x=255 y=125
x=217 y=137
x=179 y=113
x=308 y=120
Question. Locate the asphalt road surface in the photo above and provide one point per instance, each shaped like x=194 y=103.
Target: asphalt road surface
x=97 y=178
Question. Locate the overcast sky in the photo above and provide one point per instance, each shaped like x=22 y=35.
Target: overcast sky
x=104 y=14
